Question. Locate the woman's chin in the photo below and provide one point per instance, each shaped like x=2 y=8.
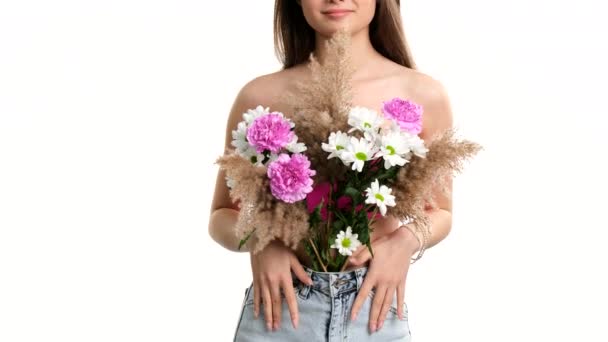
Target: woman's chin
x=329 y=29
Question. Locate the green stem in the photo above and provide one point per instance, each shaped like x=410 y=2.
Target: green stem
x=344 y=266
x=372 y=221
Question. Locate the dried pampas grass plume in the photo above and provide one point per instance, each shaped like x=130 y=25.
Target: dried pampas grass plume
x=321 y=104
x=259 y=210
x=414 y=184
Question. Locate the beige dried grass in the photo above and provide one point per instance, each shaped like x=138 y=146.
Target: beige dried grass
x=320 y=106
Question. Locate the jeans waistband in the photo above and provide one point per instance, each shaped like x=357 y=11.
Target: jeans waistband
x=334 y=284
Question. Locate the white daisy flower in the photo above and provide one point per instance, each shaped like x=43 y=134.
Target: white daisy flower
x=392 y=127
x=294 y=146
x=291 y=123
x=253 y=156
x=417 y=146
x=358 y=151
x=272 y=157
x=239 y=138
x=394 y=148
x=230 y=182
x=252 y=114
x=414 y=142
x=364 y=119
x=346 y=242
x=380 y=196
x=373 y=136
x=337 y=144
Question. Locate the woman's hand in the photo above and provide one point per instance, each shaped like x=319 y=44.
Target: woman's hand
x=387 y=272
x=271 y=269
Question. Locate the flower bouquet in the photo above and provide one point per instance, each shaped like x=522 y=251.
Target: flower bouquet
x=323 y=176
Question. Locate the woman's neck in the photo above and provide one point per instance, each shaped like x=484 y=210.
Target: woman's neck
x=361 y=51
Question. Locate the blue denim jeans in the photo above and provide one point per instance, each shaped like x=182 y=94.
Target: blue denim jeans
x=324 y=313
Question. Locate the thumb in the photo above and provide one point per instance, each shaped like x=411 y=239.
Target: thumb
x=360 y=258
x=299 y=271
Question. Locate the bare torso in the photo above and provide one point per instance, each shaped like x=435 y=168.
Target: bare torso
x=388 y=80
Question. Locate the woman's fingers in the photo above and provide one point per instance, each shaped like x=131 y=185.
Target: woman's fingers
x=400 y=295
x=256 y=299
x=299 y=270
x=386 y=304
x=267 y=305
x=359 y=250
x=292 y=304
x=275 y=292
x=376 y=306
x=361 y=296
x=360 y=258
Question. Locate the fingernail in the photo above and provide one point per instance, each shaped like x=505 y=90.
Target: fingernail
x=373 y=327
x=268 y=326
x=309 y=281
x=380 y=325
x=295 y=323
x=276 y=326
x=353 y=316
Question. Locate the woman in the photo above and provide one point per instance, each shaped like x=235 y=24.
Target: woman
x=366 y=301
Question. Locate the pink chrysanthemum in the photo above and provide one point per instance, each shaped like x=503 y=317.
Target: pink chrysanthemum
x=290 y=177
x=406 y=113
x=269 y=132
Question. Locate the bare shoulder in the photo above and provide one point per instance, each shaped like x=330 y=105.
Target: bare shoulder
x=256 y=92
x=262 y=91
x=265 y=90
x=432 y=94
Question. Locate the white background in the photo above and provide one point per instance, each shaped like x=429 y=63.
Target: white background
x=113 y=112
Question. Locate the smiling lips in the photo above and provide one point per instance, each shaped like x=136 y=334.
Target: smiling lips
x=337 y=13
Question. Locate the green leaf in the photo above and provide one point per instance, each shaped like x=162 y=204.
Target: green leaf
x=315 y=217
x=363 y=234
x=338 y=226
x=341 y=217
x=371 y=251
x=353 y=193
x=244 y=240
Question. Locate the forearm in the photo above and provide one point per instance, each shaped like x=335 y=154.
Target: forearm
x=221 y=229
x=440 y=225
x=440 y=221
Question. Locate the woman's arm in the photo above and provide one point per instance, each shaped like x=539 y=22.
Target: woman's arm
x=437 y=118
x=223 y=213
x=272 y=267
x=389 y=267
x=221 y=229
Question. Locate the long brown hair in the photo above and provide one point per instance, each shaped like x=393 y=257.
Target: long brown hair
x=294 y=39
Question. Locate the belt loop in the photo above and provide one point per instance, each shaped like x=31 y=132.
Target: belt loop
x=358 y=273
x=331 y=281
x=306 y=288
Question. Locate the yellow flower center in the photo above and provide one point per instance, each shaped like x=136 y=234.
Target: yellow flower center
x=346 y=242
x=380 y=197
x=367 y=125
x=391 y=148
x=361 y=156
x=339 y=147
